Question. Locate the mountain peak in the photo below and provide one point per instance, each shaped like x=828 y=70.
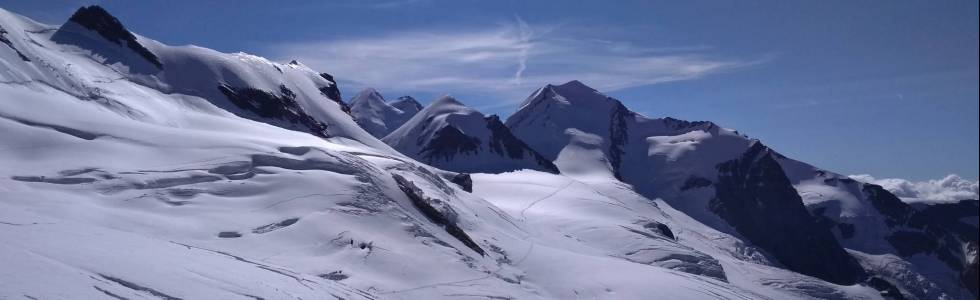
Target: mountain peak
x=378 y=117
x=577 y=90
x=446 y=100
x=97 y=19
x=448 y=134
x=570 y=94
x=367 y=94
x=407 y=104
x=575 y=84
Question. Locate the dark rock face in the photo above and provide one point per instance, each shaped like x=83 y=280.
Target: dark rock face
x=948 y=216
x=932 y=229
x=618 y=136
x=97 y=19
x=229 y=234
x=447 y=219
x=464 y=181
x=677 y=124
x=275 y=226
x=846 y=230
x=969 y=276
x=895 y=211
x=660 y=227
x=5 y=41
x=447 y=142
x=333 y=93
x=504 y=143
x=335 y=276
x=909 y=243
x=755 y=197
x=272 y=106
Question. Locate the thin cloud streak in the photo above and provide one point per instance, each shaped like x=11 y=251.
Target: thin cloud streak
x=499 y=64
x=525 y=37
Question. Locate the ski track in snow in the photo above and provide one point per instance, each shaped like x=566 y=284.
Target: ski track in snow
x=535 y=202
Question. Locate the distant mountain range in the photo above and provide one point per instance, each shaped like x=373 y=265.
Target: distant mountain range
x=378 y=117
x=134 y=169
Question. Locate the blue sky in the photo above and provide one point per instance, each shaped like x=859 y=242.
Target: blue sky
x=887 y=88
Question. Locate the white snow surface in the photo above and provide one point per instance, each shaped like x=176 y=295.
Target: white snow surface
x=119 y=181
x=606 y=218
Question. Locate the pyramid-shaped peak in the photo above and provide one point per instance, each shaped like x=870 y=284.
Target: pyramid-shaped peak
x=576 y=88
x=97 y=19
x=572 y=93
x=368 y=99
x=575 y=84
x=448 y=105
x=446 y=100
x=368 y=93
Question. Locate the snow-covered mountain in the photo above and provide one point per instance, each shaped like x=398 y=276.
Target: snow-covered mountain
x=449 y=135
x=289 y=95
x=122 y=179
x=806 y=218
x=133 y=169
x=378 y=117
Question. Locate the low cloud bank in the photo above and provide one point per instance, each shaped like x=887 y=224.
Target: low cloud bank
x=949 y=188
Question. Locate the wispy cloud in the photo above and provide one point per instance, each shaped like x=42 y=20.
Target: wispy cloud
x=503 y=63
x=525 y=38
x=949 y=188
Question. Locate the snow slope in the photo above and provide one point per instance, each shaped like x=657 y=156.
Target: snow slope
x=124 y=179
x=608 y=218
x=449 y=135
x=78 y=60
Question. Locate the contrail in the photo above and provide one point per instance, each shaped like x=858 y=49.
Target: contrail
x=525 y=46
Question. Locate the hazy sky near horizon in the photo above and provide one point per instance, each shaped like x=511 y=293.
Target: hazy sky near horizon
x=887 y=88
